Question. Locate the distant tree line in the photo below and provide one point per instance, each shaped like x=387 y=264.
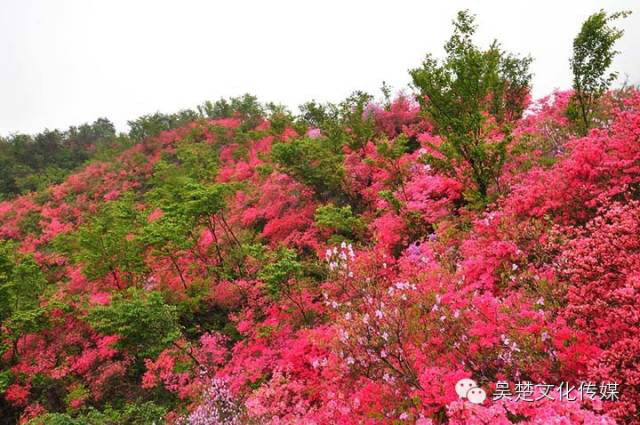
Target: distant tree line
x=33 y=162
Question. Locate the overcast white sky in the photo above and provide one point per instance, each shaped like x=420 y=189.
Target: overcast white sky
x=65 y=62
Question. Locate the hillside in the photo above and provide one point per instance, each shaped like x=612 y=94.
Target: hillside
x=348 y=265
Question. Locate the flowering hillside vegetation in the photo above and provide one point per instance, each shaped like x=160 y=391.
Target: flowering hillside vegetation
x=348 y=265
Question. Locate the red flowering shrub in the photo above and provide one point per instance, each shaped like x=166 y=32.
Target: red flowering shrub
x=601 y=264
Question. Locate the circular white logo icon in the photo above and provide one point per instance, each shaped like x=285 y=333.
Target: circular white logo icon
x=468 y=388
x=465 y=385
x=476 y=395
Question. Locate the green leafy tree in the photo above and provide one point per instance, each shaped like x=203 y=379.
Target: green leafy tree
x=33 y=162
x=318 y=162
x=107 y=245
x=347 y=123
x=279 y=117
x=197 y=160
x=466 y=96
x=188 y=206
x=203 y=205
x=285 y=275
x=593 y=52
x=152 y=124
x=168 y=236
x=340 y=220
x=276 y=275
x=138 y=413
x=201 y=202
x=314 y=162
x=145 y=323
x=246 y=107
x=21 y=281
x=21 y=285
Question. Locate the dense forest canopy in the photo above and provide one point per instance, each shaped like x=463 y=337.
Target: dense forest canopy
x=355 y=263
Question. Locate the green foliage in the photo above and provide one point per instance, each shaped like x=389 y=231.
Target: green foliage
x=243 y=106
x=218 y=109
x=347 y=123
x=593 y=53
x=30 y=163
x=392 y=150
x=393 y=201
x=192 y=162
x=246 y=107
x=197 y=160
x=145 y=323
x=187 y=205
x=21 y=283
x=152 y=124
x=140 y=413
x=77 y=392
x=355 y=117
x=277 y=274
x=316 y=163
x=465 y=95
x=110 y=151
x=167 y=175
x=279 y=117
x=167 y=234
x=198 y=314
x=5 y=380
x=181 y=194
x=56 y=419
x=26 y=321
x=199 y=202
x=386 y=94
x=106 y=244
x=340 y=220
x=31 y=223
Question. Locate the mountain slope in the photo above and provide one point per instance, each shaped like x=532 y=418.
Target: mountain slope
x=300 y=271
